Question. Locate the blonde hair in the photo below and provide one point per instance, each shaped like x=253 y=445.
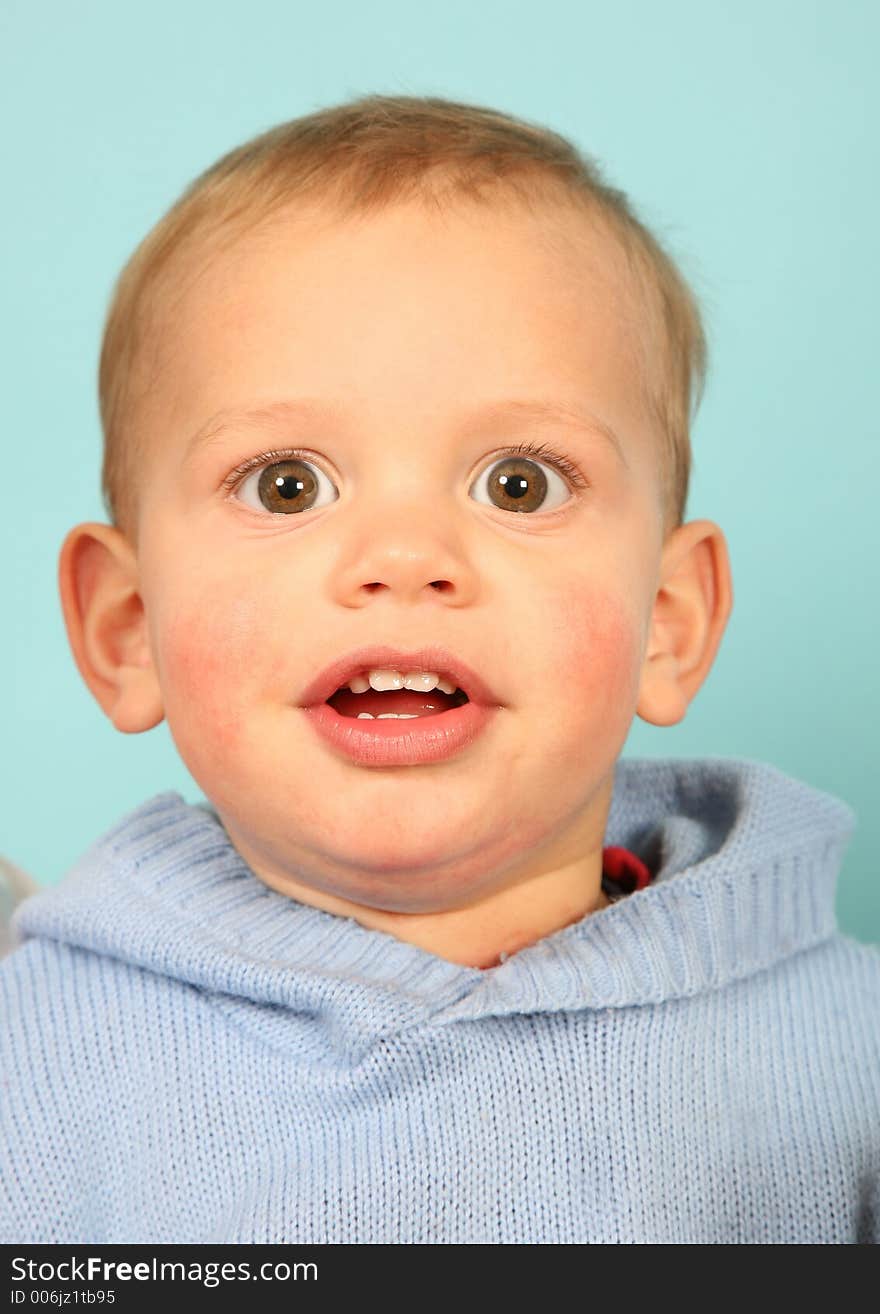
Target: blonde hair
x=360 y=157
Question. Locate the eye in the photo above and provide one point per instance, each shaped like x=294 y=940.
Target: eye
x=280 y=482
x=518 y=482
x=284 y=483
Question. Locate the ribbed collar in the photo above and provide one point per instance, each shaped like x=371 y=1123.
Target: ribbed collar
x=746 y=861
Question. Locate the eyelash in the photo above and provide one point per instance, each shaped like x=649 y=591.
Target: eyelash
x=561 y=462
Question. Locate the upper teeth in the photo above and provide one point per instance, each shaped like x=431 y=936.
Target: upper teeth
x=422 y=681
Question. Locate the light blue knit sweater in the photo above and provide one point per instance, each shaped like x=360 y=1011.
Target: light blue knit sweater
x=189 y=1056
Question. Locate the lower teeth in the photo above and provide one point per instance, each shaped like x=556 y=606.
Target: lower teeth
x=387 y=716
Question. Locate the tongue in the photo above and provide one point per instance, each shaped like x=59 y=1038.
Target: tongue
x=377 y=702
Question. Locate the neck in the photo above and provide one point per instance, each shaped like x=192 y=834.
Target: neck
x=484 y=933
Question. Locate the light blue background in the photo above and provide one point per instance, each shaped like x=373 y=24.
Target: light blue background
x=746 y=135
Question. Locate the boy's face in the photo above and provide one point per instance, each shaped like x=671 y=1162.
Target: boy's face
x=408 y=327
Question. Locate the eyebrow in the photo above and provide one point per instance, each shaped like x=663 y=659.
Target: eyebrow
x=519 y=411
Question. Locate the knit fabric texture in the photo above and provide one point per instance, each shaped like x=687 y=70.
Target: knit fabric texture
x=188 y=1056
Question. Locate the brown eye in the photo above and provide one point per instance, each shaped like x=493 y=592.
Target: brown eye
x=518 y=483
x=283 y=487
x=284 y=483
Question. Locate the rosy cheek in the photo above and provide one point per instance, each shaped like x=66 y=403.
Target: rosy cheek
x=597 y=647
x=207 y=665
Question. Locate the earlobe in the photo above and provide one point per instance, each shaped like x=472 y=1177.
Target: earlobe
x=107 y=626
x=691 y=610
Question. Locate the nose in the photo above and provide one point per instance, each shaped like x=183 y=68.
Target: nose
x=408 y=551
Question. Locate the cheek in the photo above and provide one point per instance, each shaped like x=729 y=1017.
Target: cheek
x=597 y=648
x=209 y=653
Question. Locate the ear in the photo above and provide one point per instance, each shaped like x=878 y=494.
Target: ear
x=107 y=626
x=691 y=609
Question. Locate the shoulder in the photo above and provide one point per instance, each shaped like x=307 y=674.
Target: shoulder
x=50 y=1098
x=829 y=997
x=68 y=1002
x=84 y=1039
x=850 y=971
x=814 y=1025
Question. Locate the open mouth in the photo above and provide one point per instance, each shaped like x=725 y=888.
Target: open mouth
x=404 y=703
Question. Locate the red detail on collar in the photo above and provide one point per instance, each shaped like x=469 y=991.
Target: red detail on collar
x=621 y=865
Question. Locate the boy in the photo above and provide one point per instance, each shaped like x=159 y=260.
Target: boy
x=396 y=405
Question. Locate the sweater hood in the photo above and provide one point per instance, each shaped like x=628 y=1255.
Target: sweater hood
x=745 y=861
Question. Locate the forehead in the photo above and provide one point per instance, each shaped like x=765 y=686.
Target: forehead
x=408 y=311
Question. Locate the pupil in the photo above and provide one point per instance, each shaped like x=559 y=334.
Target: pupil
x=515 y=485
x=288 y=486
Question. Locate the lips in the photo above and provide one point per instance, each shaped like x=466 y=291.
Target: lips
x=375 y=657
